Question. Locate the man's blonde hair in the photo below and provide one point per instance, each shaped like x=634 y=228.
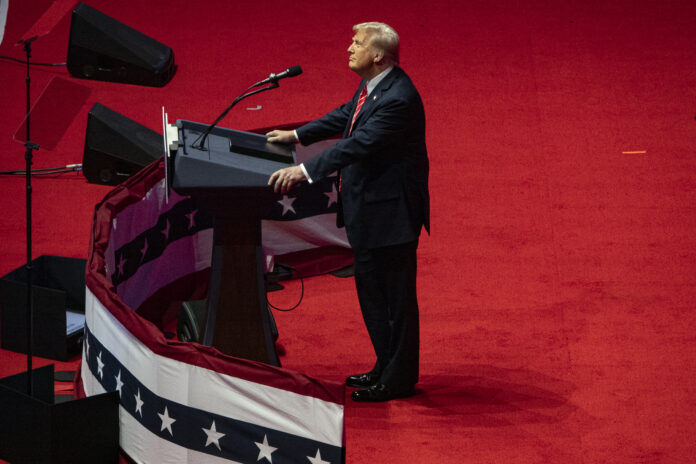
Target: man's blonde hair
x=384 y=37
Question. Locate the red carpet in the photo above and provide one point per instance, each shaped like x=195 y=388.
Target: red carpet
x=557 y=289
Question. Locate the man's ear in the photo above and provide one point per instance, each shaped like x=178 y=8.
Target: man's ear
x=378 y=57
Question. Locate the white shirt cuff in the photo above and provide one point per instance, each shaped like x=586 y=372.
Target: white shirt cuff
x=304 y=170
x=297 y=139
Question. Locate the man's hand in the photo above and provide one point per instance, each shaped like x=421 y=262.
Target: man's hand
x=281 y=136
x=283 y=179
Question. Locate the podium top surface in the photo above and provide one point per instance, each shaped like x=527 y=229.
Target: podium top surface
x=231 y=159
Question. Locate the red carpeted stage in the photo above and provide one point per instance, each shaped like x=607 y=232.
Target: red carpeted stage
x=557 y=288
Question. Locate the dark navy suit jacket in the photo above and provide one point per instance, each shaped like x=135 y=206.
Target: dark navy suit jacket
x=383 y=163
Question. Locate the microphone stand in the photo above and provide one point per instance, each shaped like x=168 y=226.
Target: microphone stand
x=246 y=94
x=28 y=157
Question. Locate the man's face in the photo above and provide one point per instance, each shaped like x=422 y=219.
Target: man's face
x=362 y=56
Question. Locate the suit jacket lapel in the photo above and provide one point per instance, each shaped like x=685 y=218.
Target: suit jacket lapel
x=373 y=99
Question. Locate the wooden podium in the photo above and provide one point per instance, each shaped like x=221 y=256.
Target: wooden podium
x=228 y=177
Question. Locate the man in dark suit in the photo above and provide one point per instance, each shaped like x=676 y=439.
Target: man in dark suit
x=382 y=163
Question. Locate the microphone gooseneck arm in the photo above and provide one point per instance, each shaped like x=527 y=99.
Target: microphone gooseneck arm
x=203 y=137
x=272 y=80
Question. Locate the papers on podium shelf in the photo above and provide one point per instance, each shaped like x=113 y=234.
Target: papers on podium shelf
x=74 y=322
x=170 y=137
x=166 y=153
x=3 y=19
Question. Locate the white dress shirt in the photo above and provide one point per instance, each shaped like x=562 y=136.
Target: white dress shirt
x=370 y=85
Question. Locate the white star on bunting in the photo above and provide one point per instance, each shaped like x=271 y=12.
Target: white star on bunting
x=165 y=231
x=119 y=384
x=333 y=195
x=143 y=250
x=213 y=436
x=166 y=421
x=192 y=218
x=265 y=450
x=100 y=366
x=121 y=264
x=138 y=403
x=317 y=459
x=287 y=202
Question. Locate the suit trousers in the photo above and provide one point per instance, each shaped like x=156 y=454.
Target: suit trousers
x=385 y=280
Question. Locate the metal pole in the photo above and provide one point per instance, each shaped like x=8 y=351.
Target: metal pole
x=28 y=155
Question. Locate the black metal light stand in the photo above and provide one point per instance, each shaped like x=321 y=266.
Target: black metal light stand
x=82 y=431
x=28 y=157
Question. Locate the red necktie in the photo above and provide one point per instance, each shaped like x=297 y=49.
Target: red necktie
x=361 y=100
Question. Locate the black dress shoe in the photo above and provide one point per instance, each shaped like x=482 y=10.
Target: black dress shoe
x=362 y=380
x=380 y=392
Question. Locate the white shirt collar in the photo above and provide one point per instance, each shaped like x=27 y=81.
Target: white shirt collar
x=372 y=83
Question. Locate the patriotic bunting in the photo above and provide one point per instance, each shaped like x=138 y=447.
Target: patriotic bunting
x=183 y=402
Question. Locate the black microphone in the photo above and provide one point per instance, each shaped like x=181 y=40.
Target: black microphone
x=290 y=72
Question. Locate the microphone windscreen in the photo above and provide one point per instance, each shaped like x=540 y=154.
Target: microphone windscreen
x=294 y=71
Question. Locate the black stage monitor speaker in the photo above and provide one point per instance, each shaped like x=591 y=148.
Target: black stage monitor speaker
x=104 y=49
x=58 y=292
x=117 y=147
